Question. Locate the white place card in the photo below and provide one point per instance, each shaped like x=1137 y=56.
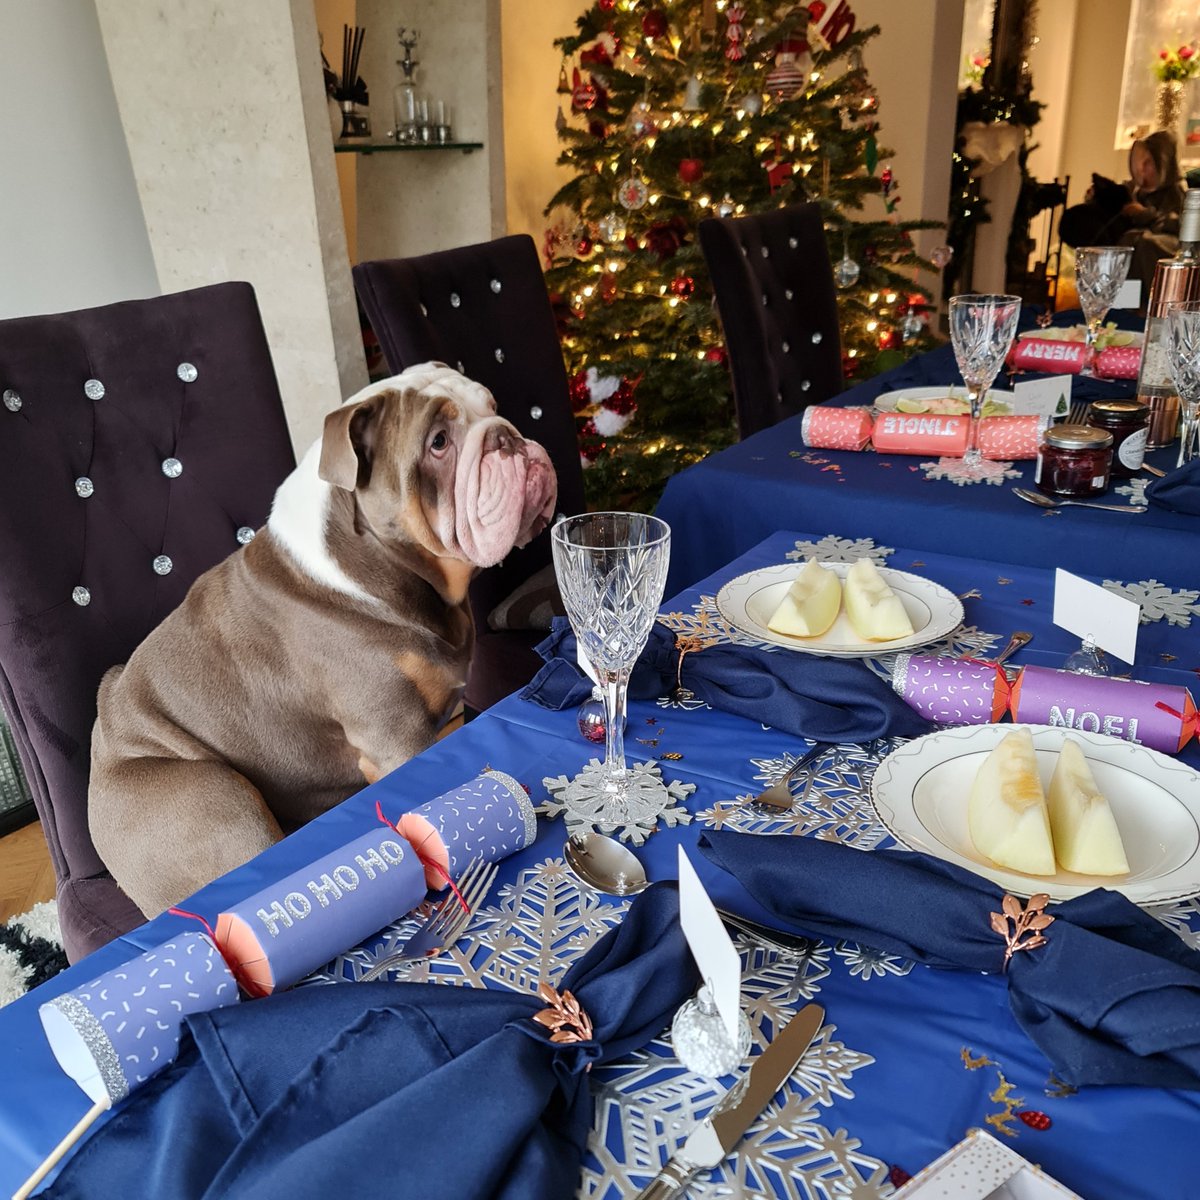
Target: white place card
x=1049 y=397
x=1088 y=610
x=710 y=945
x=981 y=1168
x=1130 y=295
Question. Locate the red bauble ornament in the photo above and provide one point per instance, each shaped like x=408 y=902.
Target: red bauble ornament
x=887 y=339
x=691 y=170
x=608 y=287
x=606 y=5
x=631 y=243
x=654 y=23
x=666 y=238
x=715 y=354
x=598 y=129
x=1034 y=1119
x=583 y=93
x=816 y=10
x=682 y=286
x=584 y=247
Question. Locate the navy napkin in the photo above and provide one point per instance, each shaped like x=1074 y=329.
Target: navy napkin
x=822 y=699
x=1179 y=490
x=398 y=1089
x=1112 y=998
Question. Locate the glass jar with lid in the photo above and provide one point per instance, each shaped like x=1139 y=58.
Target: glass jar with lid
x=1128 y=421
x=1074 y=461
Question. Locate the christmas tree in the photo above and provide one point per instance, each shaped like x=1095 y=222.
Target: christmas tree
x=686 y=110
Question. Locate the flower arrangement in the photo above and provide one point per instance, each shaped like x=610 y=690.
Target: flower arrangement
x=1176 y=66
x=974 y=68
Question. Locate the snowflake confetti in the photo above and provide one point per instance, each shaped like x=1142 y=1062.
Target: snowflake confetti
x=1158 y=601
x=953 y=470
x=1135 y=489
x=834 y=549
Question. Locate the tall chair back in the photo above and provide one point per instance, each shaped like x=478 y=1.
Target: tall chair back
x=484 y=310
x=778 y=306
x=140 y=443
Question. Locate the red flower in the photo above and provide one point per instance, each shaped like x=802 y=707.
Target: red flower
x=1186 y=52
x=1163 y=54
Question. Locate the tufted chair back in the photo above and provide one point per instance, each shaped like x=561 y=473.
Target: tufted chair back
x=484 y=310
x=140 y=443
x=775 y=293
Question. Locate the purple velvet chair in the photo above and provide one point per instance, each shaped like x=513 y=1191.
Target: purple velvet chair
x=140 y=443
x=778 y=306
x=484 y=309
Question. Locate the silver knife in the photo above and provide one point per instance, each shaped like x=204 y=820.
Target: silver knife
x=717 y=1135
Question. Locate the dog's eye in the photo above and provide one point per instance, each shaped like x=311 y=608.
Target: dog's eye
x=439 y=442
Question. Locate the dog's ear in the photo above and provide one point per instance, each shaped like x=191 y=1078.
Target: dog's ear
x=348 y=443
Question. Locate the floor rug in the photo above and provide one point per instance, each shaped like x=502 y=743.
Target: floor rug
x=30 y=951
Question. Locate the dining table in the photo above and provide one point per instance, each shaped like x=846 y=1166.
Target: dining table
x=909 y=1058
x=731 y=500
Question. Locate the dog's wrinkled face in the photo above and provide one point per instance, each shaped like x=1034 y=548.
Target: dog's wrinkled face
x=431 y=463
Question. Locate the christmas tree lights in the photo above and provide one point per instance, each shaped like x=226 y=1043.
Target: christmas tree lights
x=676 y=110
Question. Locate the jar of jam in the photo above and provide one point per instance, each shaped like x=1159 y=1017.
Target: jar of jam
x=1129 y=423
x=1073 y=460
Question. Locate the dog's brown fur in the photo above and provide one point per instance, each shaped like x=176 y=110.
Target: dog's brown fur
x=269 y=695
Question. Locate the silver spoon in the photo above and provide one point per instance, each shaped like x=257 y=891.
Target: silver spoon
x=603 y=863
x=1046 y=502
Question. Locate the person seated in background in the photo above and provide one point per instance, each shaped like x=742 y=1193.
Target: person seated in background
x=1143 y=212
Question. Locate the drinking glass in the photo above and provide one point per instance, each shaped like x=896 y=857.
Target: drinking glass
x=1183 y=349
x=1099 y=273
x=611 y=569
x=981 y=330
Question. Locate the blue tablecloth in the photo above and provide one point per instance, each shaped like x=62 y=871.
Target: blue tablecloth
x=910 y=1058
x=732 y=500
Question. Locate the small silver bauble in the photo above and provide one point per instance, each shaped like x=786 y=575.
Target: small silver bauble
x=612 y=227
x=846 y=272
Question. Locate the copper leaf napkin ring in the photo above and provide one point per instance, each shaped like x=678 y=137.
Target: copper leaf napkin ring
x=1022 y=921
x=564 y=1016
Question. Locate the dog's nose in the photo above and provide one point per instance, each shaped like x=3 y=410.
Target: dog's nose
x=503 y=437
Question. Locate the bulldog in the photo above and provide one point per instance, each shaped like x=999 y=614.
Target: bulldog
x=326 y=652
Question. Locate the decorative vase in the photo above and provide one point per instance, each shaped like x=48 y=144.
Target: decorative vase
x=1168 y=104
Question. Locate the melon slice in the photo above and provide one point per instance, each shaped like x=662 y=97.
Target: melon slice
x=811 y=604
x=1006 y=812
x=875 y=611
x=1086 y=837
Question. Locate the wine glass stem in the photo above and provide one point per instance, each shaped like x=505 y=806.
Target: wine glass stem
x=1191 y=412
x=615 y=688
x=973 y=456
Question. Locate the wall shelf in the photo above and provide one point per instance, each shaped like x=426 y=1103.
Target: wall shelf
x=353 y=147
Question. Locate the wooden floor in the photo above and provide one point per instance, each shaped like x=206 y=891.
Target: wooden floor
x=26 y=875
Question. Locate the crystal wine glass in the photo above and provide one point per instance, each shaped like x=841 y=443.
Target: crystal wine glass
x=1183 y=349
x=611 y=569
x=981 y=330
x=1099 y=273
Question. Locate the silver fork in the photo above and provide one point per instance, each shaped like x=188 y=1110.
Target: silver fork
x=446 y=924
x=778 y=797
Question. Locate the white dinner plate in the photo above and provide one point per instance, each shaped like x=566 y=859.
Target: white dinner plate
x=887 y=402
x=920 y=793
x=749 y=602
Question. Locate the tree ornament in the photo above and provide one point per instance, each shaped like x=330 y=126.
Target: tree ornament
x=682 y=286
x=597 y=129
x=691 y=95
x=871 y=254
x=564 y=86
x=608 y=287
x=654 y=23
x=665 y=238
x=816 y=10
x=715 y=354
x=786 y=78
x=622 y=400
x=583 y=93
x=725 y=207
x=887 y=339
x=590 y=718
x=633 y=193
x=609 y=422
x=606 y=5
x=940 y=256
x=612 y=227
x=691 y=170
x=560 y=122
x=600 y=52
x=584 y=246
x=751 y=103
x=735 y=35
x=641 y=122
x=581 y=394
x=871 y=154
x=846 y=271
x=912 y=326
x=778 y=171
